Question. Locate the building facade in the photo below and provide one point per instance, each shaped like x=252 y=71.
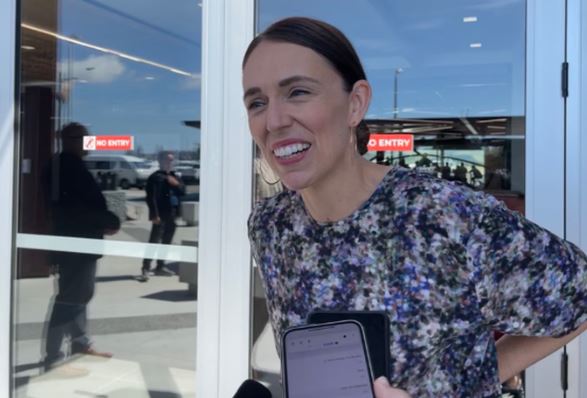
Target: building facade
x=492 y=93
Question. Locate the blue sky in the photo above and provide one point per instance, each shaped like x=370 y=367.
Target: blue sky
x=119 y=96
x=442 y=75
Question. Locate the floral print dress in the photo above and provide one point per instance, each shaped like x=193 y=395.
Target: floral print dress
x=449 y=265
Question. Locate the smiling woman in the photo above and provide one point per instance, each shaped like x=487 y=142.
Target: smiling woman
x=313 y=109
x=303 y=118
x=449 y=265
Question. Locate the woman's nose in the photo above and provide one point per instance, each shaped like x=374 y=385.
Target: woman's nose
x=277 y=117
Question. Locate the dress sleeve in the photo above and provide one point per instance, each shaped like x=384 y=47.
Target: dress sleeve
x=528 y=281
x=255 y=232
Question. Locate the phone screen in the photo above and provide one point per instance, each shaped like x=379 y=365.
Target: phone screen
x=376 y=328
x=327 y=360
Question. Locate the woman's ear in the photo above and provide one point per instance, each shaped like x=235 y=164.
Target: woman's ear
x=360 y=97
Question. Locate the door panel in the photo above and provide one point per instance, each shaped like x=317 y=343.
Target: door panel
x=473 y=83
x=107 y=234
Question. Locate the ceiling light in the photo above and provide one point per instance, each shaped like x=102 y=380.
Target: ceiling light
x=29 y=48
x=469 y=19
x=475 y=45
x=106 y=50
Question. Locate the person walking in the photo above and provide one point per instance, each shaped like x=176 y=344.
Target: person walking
x=164 y=189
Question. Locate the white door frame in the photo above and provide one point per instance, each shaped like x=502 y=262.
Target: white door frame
x=545 y=148
x=224 y=287
x=576 y=183
x=7 y=49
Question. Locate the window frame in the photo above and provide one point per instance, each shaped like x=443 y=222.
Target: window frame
x=224 y=276
x=8 y=46
x=576 y=169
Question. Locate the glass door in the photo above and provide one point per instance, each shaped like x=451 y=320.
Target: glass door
x=453 y=78
x=104 y=295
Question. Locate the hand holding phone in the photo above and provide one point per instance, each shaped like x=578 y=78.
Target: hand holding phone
x=326 y=360
x=384 y=390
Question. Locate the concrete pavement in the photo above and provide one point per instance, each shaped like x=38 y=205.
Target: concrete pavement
x=149 y=327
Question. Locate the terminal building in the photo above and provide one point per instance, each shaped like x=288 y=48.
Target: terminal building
x=491 y=93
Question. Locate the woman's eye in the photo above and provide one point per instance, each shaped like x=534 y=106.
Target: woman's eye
x=296 y=92
x=255 y=104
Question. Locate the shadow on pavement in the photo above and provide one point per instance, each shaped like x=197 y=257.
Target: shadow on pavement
x=27 y=366
x=114 y=278
x=172 y=295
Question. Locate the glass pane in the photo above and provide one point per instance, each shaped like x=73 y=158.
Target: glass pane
x=450 y=75
x=108 y=211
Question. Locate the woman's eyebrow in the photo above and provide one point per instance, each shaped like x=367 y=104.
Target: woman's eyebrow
x=283 y=83
x=251 y=91
x=296 y=79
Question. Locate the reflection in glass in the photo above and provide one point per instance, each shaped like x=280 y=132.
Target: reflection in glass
x=444 y=74
x=149 y=328
x=164 y=191
x=117 y=69
x=78 y=209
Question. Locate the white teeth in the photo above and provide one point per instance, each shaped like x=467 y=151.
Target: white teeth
x=289 y=150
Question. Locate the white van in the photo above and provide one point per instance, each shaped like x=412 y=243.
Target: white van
x=130 y=171
x=188 y=170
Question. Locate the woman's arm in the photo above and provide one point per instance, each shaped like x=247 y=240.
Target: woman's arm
x=516 y=353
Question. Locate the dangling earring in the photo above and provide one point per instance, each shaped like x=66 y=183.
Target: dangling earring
x=263 y=169
x=353 y=138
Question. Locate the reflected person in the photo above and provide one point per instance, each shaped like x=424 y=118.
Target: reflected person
x=164 y=189
x=461 y=173
x=78 y=209
x=445 y=171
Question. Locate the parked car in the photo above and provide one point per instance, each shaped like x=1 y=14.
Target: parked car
x=188 y=170
x=128 y=171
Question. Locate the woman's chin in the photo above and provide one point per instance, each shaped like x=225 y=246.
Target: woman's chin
x=295 y=181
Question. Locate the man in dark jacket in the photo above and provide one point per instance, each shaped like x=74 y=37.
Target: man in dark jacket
x=78 y=209
x=164 y=189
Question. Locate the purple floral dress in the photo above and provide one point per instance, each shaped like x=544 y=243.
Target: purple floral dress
x=449 y=266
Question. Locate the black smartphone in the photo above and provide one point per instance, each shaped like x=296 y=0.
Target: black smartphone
x=376 y=327
x=326 y=360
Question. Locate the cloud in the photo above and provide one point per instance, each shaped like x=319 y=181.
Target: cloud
x=93 y=69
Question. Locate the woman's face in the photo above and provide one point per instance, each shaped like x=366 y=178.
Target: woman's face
x=299 y=113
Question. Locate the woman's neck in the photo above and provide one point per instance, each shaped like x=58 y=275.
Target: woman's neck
x=344 y=191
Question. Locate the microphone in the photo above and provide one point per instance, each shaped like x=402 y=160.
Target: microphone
x=252 y=389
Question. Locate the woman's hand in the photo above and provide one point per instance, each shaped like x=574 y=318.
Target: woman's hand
x=384 y=390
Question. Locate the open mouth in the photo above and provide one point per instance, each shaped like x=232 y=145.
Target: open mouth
x=288 y=151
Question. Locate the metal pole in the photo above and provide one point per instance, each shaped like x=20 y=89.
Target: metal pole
x=395 y=79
